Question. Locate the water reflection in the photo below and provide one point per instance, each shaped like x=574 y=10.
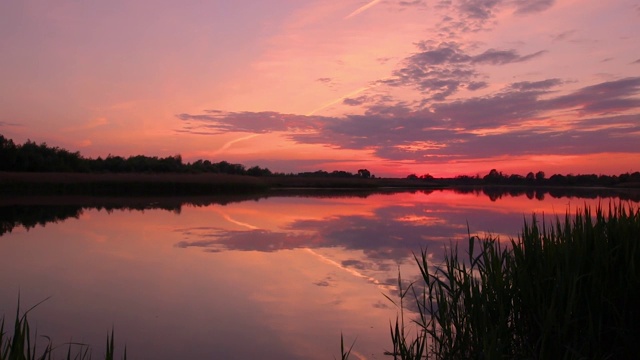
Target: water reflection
x=29 y=212
x=497 y=192
x=229 y=277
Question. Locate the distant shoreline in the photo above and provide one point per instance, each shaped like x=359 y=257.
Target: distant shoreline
x=182 y=183
x=188 y=184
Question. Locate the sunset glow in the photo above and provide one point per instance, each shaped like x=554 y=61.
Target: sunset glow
x=445 y=87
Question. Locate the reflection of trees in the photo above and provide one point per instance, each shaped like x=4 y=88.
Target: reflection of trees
x=30 y=212
x=381 y=236
x=497 y=192
x=30 y=216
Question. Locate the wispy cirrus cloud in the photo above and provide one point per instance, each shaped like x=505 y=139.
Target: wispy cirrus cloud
x=363 y=8
x=7 y=123
x=563 y=35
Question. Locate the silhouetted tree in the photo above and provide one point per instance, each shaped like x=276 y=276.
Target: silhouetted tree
x=257 y=171
x=8 y=154
x=516 y=179
x=494 y=177
x=341 y=173
x=364 y=173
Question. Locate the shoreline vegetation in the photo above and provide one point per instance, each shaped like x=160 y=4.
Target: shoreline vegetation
x=22 y=344
x=188 y=184
x=568 y=289
x=38 y=169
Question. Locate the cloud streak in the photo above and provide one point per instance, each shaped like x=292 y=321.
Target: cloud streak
x=339 y=100
x=228 y=144
x=363 y=8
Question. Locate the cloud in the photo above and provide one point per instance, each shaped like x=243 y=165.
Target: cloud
x=340 y=99
x=363 y=8
x=536 y=85
x=502 y=57
x=412 y=3
x=228 y=144
x=356 y=264
x=6 y=123
x=440 y=70
x=607 y=97
x=329 y=82
x=520 y=119
x=367 y=99
x=324 y=282
x=465 y=16
x=532 y=6
x=219 y=122
x=486 y=9
x=563 y=35
x=355 y=102
x=636 y=62
x=479 y=9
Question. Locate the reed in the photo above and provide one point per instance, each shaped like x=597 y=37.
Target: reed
x=569 y=290
x=344 y=352
x=22 y=344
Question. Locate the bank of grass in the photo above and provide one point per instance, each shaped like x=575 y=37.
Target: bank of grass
x=570 y=290
x=182 y=184
x=128 y=184
x=23 y=344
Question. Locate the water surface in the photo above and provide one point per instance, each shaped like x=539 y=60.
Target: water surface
x=271 y=278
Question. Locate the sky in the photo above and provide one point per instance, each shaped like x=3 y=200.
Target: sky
x=440 y=87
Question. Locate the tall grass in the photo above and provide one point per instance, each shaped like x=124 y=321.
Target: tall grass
x=569 y=290
x=22 y=344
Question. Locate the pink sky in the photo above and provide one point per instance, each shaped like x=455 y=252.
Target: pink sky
x=444 y=87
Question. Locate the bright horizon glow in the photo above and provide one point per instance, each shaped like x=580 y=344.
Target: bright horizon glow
x=398 y=87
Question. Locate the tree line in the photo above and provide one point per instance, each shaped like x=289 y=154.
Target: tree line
x=33 y=157
x=495 y=177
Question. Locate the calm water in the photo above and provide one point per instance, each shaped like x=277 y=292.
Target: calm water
x=269 y=278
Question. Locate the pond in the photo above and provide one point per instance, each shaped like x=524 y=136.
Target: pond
x=278 y=277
